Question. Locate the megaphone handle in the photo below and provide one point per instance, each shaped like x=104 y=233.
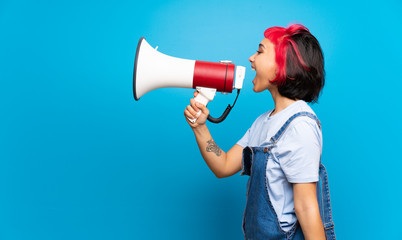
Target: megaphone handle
x=205 y=95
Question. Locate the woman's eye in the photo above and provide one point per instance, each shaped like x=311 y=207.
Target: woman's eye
x=259 y=52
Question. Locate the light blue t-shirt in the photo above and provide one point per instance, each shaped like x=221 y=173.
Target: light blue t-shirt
x=295 y=159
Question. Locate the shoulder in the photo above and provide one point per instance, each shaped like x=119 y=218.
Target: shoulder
x=304 y=123
x=302 y=133
x=303 y=130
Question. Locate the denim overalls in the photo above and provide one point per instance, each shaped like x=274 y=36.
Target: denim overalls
x=260 y=221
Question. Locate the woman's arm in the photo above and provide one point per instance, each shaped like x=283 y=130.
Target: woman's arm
x=221 y=164
x=307 y=210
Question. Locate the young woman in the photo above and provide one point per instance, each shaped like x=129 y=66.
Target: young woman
x=282 y=149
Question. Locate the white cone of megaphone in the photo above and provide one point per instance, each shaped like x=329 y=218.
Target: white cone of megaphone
x=153 y=70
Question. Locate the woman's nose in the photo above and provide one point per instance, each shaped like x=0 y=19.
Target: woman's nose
x=251 y=59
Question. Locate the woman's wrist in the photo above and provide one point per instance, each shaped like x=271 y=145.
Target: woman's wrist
x=199 y=129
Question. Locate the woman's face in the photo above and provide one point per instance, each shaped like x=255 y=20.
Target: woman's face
x=263 y=62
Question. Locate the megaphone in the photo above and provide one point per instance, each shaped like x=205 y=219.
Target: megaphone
x=153 y=70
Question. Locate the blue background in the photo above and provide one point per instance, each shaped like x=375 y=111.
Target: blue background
x=80 y=159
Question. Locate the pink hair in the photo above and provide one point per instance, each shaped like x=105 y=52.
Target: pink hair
x=282 y=40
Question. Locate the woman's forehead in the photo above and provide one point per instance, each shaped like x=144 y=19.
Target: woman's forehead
x=266 y=43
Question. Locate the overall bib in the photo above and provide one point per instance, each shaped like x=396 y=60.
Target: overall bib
x=260 y=221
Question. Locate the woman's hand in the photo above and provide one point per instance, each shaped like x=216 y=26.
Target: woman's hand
x=192 y=110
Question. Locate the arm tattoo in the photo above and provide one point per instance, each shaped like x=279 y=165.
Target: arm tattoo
x=212 y=147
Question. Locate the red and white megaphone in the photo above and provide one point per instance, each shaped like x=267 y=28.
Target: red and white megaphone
x=153 y=70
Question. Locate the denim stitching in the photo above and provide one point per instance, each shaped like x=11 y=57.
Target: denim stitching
x=327 y=192
x=328 y=225
x=322 y=200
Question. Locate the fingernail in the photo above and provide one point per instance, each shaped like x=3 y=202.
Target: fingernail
x=197 y=104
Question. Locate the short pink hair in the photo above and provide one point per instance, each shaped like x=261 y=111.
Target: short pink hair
x=282 y=39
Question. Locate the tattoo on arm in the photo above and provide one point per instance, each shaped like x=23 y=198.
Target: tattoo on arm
x=212 y=147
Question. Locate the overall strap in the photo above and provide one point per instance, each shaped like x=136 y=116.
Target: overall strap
x=326 y=205
x=276 y=137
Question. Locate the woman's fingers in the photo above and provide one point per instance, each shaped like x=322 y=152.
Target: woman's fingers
x=191 y=110
x=188 y=114
x=193 y=105
x=194 y=110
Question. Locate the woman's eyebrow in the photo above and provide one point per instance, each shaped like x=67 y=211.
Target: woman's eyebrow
x=261 y=45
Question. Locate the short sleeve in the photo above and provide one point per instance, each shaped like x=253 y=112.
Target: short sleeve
x=245 y=139
x=301 y=148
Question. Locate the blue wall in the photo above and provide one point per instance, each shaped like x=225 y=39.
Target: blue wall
x=80 y=159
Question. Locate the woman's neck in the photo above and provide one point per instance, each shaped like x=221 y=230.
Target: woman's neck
x=280 y=101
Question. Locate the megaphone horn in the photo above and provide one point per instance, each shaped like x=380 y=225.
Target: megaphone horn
x=153 y=70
